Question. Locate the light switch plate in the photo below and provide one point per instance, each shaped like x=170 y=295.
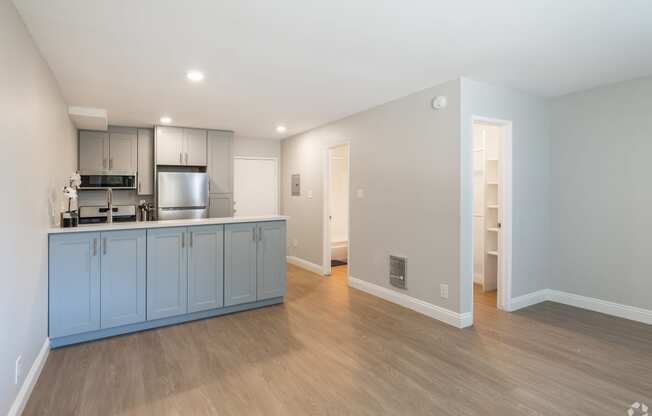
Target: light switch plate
x=360 y=193
x=310 y=193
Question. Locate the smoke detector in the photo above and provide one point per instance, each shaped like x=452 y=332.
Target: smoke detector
x=439 y=102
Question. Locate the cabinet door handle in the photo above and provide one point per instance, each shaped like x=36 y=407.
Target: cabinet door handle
x=180 y=158
x=104 y=163
x=94 y=247
x=253 y=236
x=186 y=158
x=183 y=240
x=260 y=234
x=190 y=239
x=111 y=163
x=140 y=187
x=104 y=244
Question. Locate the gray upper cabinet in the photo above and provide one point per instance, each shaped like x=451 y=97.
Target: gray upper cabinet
x=114 y=151
x=74 y=284
x=205 y=267
x=145 y=162
x=176 y=146
x=123 y=277
x=195 y=147
x=271 y=260
x=220 y=173
x=123 y=153
x=167 y=272
x=220 y=162
x=93 y=151
x=169 y=146
x=239 y=263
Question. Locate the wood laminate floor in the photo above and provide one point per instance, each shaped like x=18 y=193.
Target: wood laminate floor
x=334 y=350
x=489 y=298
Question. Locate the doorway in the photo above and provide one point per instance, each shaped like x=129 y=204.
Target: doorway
x=491 y=147
x=336 y=204
x=255 y=186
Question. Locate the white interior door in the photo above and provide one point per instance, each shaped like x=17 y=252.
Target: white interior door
x=255 y=187
x=339 y=194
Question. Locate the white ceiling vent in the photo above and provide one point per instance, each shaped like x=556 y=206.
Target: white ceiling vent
x=87 y=118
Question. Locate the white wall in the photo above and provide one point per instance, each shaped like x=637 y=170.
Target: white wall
x=405 y=156
x=530 y=188
x=38 y=153
x=601 y=193
x=243 y=146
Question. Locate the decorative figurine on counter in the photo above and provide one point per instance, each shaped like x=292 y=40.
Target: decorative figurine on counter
x=70 y=218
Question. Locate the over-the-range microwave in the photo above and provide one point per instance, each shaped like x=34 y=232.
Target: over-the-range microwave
x=108 y=181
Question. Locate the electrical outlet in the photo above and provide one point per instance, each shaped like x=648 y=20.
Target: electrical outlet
x=295 y=243
x=360 y=193
x=310 y=193
x=19 y=370
x=443 y=291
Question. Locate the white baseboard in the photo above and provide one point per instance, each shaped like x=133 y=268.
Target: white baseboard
x=592 y=304
x=603 y=306
x=433 y=311
x=30 y=381
x=305 y=264
x=528 y=299
x=466 y=319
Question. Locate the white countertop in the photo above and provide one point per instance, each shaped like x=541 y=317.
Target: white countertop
x=160 y=224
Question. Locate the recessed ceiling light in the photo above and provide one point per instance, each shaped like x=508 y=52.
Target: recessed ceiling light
x=281 y=129
x=166 y=120
x=195 y=76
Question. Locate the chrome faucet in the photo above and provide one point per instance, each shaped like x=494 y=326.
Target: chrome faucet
x=109 y=202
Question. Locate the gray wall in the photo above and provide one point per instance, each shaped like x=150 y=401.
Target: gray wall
x=530 y=183
x=412 y=163
x=406 y=157
x=38 y=153
x=602 y=196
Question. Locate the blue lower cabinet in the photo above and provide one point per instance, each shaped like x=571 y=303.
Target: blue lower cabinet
x=271 y=260
x=112 y=282
x=205 y=267
x=239 y=263
x=123 y=277
x=74 y=283
x=167 y=272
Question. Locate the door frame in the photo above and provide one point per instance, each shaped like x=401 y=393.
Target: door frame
x=326 y=234
x=505 y=200
x=275 y=160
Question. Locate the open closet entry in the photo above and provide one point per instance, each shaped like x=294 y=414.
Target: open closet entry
x=487 y=187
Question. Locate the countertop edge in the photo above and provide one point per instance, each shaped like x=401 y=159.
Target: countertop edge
x=139 y=225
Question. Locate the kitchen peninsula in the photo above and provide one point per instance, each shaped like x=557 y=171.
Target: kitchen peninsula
x=112 y=279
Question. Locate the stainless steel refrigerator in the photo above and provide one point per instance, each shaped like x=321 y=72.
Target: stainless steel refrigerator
x=182 y=195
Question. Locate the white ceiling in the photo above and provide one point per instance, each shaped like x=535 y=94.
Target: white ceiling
x=304 y=63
